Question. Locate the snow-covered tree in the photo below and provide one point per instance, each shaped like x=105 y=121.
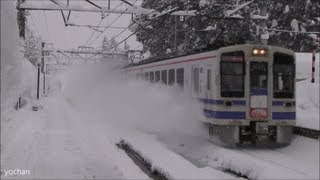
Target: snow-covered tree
x=32 y=47
x=211 y=28
x=21 y=20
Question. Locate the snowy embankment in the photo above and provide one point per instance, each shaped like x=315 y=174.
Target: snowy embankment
x=300 y=160
x=11 y=59
x=308 y=102
x=17 y=74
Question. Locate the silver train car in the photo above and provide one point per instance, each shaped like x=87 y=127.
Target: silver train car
x=247 y=91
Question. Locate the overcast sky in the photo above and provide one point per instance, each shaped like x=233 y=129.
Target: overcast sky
x=50 y=25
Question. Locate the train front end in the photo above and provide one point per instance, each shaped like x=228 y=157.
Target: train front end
x=258 y=86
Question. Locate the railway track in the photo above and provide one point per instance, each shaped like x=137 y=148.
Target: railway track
x=145 y=166
x=155 y=174
x=311 y=133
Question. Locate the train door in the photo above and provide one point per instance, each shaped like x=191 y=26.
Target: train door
x=195 y=79
x=258 y=90
x=201 y=82
x=207 y=82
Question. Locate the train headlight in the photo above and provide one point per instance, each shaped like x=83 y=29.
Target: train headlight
x=255 y=51
x=259 y=52
x=263 y=52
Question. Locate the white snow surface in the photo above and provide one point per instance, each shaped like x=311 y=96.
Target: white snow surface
x=11 y=59
x=307 y=92
x=300 y=160
x=90 y=109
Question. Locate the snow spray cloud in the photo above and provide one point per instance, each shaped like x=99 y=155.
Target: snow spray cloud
x=107 y=95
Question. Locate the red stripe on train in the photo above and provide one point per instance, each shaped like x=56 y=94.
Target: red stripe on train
x=184 y=61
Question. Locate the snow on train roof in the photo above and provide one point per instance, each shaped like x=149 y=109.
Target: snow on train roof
x=204 y=50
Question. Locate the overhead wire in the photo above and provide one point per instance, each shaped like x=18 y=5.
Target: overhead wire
x=100 y=24
x=112 y=24
x=34 y=24
x=46 y=21
x=145 y=25
x=137 y=47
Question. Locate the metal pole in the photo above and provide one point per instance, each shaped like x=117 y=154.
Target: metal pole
x=313 y=57
x=263 y=31
x=44 y=83
x=175 y=33
x=42 y=68
x=38 y=82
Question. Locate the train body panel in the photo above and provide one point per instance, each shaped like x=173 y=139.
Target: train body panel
x=243 y=88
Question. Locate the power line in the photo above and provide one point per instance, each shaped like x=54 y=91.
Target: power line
x=121 y=41
x=34 y=25
x=278 y=30
x=138 y=46
x=143 y=26
x=45 y=17
x=99 y=25
x=112 y=24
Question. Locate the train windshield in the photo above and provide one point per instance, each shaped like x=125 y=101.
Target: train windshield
x=283 y=76
x=232 y=74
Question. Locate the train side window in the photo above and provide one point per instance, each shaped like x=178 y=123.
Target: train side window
x=151 y=77
x=157 y=77
x=139 y=76
x=196 y=80
x=180 y=77
x=171 y=80
x=232 y=72
x=164 y=76
x=209 y=79
x=146 y=76
x=283 y=75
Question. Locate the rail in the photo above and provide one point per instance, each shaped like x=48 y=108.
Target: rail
x=141 y=162
x=307 y=132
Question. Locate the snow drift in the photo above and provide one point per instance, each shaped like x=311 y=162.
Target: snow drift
x=11 y=58
x=104 y=94
x=308 y=106
x=17 y=74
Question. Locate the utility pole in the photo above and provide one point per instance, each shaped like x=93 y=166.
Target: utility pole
x=314 y=47
x=175 y=34
x=42 y=67
x=263 y=33
x=38 y=82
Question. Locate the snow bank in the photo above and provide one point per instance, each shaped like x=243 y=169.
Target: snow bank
x=11 y=58
x=169 y=163
x=307 y=92
x=300 y=160
x=304 y=64
x=17 y=74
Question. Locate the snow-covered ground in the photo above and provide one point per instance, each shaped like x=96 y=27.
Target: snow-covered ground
x=11 y=59
x=307 y=92
x=90 y=109
x=74 y=135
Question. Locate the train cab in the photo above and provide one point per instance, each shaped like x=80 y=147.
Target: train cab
x=258 y=85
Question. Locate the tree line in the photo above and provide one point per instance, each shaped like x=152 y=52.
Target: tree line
x=210 y=28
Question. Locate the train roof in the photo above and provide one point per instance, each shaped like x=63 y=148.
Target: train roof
x=203 y=50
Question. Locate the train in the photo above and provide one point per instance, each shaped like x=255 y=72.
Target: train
x=247 y=91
